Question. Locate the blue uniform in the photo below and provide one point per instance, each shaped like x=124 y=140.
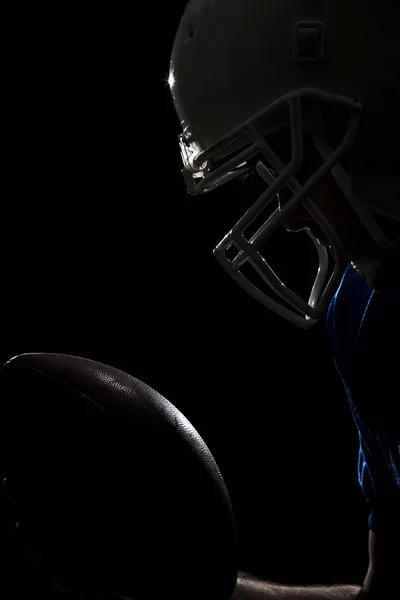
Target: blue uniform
x=363 y=330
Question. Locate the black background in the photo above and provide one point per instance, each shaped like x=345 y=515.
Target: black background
x=104 y=255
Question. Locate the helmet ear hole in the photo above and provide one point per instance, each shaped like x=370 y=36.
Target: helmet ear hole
x=190 y=31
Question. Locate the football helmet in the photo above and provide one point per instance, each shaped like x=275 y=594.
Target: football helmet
x=254 y=82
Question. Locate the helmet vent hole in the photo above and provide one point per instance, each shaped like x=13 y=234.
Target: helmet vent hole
x=190 y=32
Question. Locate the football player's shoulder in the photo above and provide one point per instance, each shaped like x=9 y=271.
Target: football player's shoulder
x=348 y=306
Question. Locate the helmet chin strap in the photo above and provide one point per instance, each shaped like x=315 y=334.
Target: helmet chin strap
x=364 y=213
x=380 y=210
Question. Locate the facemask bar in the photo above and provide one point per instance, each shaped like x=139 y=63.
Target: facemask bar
x=6 y=488
x=189 y=152
x=323 y=260
x=248 y=250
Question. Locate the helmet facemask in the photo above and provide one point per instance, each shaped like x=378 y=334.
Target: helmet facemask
x=250 y=146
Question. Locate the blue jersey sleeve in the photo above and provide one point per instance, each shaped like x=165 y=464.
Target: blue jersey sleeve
x=363 y=329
